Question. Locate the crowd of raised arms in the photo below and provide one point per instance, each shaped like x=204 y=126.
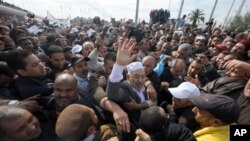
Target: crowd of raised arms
x=120 y=81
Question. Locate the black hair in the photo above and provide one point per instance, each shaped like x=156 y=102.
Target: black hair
x=109 y=56
x=54 y=49
x=218 y=36
x=16 y=59
x=58 y=41
x=21 y=40
x=6 y=70
x=152 y=120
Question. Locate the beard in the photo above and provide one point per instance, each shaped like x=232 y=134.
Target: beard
x=137 y=86
x=63 y=103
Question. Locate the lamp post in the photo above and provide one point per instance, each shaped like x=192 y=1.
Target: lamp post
x=136 y=12
x=212 y=13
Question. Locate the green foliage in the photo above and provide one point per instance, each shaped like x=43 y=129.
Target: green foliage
x=240 y=22
x=196 y=16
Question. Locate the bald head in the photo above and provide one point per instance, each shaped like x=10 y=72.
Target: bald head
x=149 y=59
x=65 y=91
x=65 y=79
x=176 y=67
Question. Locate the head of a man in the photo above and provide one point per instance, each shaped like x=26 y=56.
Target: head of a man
x=195 y=68
x=109 y=61
x=184 y=50
x=87 y=48
x=220 y=57
x=153 y=120
x=182 y=93
x=226 y=58
x=65 y=91
x=102 y=52
x=176 y=67
x=25 y=43
x=166 y=48
x=148 y=64
x=214 y=110
x=18 y=124
x=76 y=122
x=8 y=42
x=62 y=42
x=80 y=65
x=183 y=39
x=217 y=39
x=25 y=63
x=199 y=41
x=56 y=56
x=241 y=47
x=144 y=45
x=136 y=75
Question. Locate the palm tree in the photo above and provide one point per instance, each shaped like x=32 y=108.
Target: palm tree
x=196 y=16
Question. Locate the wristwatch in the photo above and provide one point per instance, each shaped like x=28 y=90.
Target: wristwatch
x=148 y=82
x=14 y=102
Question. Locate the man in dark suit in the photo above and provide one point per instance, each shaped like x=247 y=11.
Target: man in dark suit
x=130 y=94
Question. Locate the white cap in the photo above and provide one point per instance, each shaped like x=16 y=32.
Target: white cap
x=134 y=66
x=74 y=30
x=76 y=49
x=185 y=90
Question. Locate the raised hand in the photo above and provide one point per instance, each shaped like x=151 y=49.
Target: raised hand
x=125 y=47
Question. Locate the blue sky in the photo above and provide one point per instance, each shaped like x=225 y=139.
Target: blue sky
x=126 y=8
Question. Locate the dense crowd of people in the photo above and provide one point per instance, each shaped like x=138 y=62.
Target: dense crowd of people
x=122 y=81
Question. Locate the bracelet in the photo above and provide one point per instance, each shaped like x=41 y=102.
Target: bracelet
x=148 y=82
x=14 y=102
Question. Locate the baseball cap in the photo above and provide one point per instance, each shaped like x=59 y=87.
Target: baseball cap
x=76 y=49
x=185 y=90
x=77 y=58
x=220 y=106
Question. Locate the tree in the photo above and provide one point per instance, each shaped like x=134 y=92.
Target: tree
x=239 y=22
x=196 y=16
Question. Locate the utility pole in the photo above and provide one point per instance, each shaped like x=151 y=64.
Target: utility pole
x=228 y=13
x=179 y=15
x=240 y=8
x=169 y=5
x=212 y=13
x=136 y=12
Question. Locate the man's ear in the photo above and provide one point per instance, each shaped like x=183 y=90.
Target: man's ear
x=22 y=72
x=128 y=76
x=91 y=130
x=217 y=122
x=49 y=58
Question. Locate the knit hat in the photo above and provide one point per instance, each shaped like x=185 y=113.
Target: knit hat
x=246 y=43
x=134 y=66
x=221 y=47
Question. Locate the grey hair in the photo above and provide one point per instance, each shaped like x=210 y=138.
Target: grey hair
x=8 y=113
x=87 y=43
